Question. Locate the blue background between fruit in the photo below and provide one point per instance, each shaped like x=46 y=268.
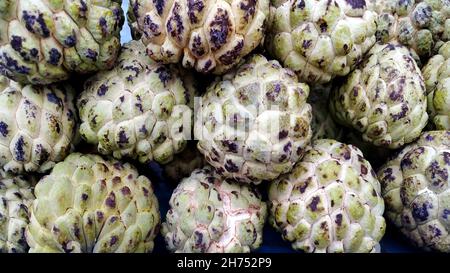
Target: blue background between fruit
x=391 y=243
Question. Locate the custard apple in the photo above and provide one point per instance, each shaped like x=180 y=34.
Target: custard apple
x=384 y=98
x=16 y=195
x=416 y=189
x=437 y=80
x=209 y=36
x=139 y=109
x=254 y=122
x=422 y=26
x=184 y=163
x=320 y=39
x=88 y=204
x=330 y=202
x=43 y=42
x=38 y=125
x=376 y=155
x=210 y=214
x=322 y=123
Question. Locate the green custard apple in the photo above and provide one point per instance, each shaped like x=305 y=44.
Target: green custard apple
x=88 y=204
x=330 y=202
x=43 y=42
x=384 y=98
x=254 y=122
x=206 y=35
x=38 y=125
x=320 y=39
x=139 y=109
x=420 y=25
x=211 y=214
x=416 y=189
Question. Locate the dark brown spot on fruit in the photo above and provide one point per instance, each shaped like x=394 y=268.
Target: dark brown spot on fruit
x=338 y=219
x=111 y=200
x=314 y=202
x=220 y=28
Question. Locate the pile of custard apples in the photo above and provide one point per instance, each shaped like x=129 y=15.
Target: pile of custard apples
x=327 y=119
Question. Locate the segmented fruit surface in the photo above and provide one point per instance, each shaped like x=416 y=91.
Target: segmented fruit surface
x=384 y=98
x=209 y=214
x=421 y=25
x=376 y=155
x=88 y=204
x=43 y=42
x=416 y=189
x=320 y=39
x=437 y=80
x=38 y=125
x=16 y=195
x=330 y=202
x=139 y=109
x=207 y=35
x=254 y=122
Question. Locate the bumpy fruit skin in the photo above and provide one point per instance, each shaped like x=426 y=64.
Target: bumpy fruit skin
x=437 y=80
x=422 y=26
x=210 y=36
x=139 y=109
x=330 y=202
x=15 y=198
x=322 y=123
x=209 y=214
x=254 y=122
x=384 y=98
x=88 y=204
x=43 y=42
x=38 y=126
x=320 y=39
x=416 y=189
x=184 y=163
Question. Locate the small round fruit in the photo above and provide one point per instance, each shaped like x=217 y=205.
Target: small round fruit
x=420 y=25
x=330 y=202
x=320 y=39
x=88 y=204
x=254 y=122
x=139 y=109
x=209 y=214
x=38 y=125
x=384 y=98
x=416 y=189
x=209 y=36
x=43 y=42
